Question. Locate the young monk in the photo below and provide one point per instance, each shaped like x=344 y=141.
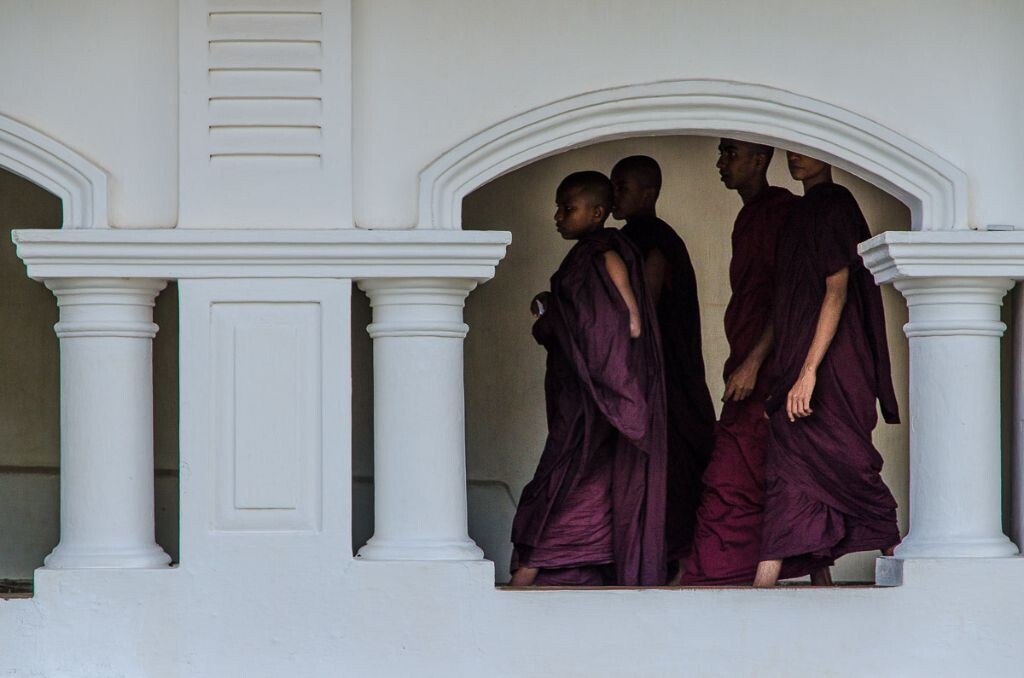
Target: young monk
x=673 y=287
x=594 y=512
x=824 y=492
x=727 y=541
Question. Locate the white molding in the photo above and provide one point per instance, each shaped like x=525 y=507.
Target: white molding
x=894 y=255
x=181 y=253
x=934 y=189
x=80 y=184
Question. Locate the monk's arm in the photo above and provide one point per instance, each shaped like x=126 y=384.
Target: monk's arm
x=743 y=379
x=798 y=403
x=620 y=277
x=655 y=270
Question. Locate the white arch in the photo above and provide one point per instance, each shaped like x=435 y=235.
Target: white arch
x=80 y=184
x=934 y=189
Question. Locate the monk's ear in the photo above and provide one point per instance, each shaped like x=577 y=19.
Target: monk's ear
x=600 y=212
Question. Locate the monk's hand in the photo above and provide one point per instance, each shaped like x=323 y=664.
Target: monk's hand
x=741 y=382
x=798 y=402
x=634 y=326
x=540 y=304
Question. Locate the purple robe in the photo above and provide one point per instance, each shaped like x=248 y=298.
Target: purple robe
x=596 y=503
x=824 y=492
x=727 y=539
x=691 y=414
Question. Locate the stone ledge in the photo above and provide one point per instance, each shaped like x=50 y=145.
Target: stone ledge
x=182 y=253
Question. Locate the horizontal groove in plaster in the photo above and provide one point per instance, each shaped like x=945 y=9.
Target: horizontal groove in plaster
x=268 y=41
x=263 y=154
x=262 y=12
x=258 y=69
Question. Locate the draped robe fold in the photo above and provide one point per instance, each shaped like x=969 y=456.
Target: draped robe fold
x=594 y=512
x=691 y=414
x=824 y=492
x=727 y=538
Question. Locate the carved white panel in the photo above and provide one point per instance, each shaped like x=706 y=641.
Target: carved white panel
x=265 y=407
x=265 y=114
x=266 y=372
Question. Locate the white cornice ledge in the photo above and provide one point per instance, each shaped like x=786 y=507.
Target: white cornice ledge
x=176 y=254
x=898 y=255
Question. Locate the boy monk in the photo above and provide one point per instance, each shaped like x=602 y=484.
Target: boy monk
x=594 y=511
x=727 y=541
x=673 y=287
x=824 y=492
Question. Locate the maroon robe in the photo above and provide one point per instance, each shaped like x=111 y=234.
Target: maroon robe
x=727 y=539
x=824 y=492
x=596 y=503
x=691 y=414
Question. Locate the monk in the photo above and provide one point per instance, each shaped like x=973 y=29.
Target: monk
x=727 y=540
x=824 y=492
x=673 y=287
x=594 y=512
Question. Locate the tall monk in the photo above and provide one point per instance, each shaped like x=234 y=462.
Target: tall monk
x=673 y=287
x=824 y=492
x=594 y=512
x=727 y=540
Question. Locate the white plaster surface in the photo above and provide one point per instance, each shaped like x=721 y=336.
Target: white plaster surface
x=334 y=616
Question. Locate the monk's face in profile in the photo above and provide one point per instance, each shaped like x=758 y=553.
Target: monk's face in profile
x=577 y=213
x=805 y=168
x=739 y=163
x=631 y=197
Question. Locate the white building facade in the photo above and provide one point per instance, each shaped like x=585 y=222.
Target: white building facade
x=269 y=156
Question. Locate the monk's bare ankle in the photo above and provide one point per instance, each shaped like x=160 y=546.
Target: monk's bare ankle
x=767 y=575
x=821 y=577
x=524 y=576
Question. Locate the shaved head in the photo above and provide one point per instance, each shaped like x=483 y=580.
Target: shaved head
x=595 y=186
x=643 y=169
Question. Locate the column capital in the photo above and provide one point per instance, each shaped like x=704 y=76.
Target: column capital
x=954 y=306
x=105 y=307
x=418 y=307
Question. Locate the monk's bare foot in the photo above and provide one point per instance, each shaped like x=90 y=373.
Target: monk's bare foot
x=524 y=576
x=821 y=577
x=891 y=551
x=767 y=575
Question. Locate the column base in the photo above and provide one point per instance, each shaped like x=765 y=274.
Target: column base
x=981 y=547
x=995 y=574
x=420 y=549
x=65 y=558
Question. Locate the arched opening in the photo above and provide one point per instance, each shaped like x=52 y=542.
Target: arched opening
x=505 y=413
x=29 y=391
x=901 y=184
x=44 y=184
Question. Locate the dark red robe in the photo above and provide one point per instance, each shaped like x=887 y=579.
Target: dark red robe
x=824 y=491
x=727 y=539
x=691 y=414
x=596 y=503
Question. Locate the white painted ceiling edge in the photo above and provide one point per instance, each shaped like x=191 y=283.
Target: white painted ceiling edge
x=934 y=189
x=80 y=184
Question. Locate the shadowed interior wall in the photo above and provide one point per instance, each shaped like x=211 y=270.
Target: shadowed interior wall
x=30 y=403
x=505 y=367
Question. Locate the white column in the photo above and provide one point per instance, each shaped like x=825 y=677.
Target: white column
x=955 y=475
x=106 y=335
x=419 y=420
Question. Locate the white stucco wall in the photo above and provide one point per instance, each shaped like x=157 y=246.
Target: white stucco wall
x=928 y=70
x=101 y=78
